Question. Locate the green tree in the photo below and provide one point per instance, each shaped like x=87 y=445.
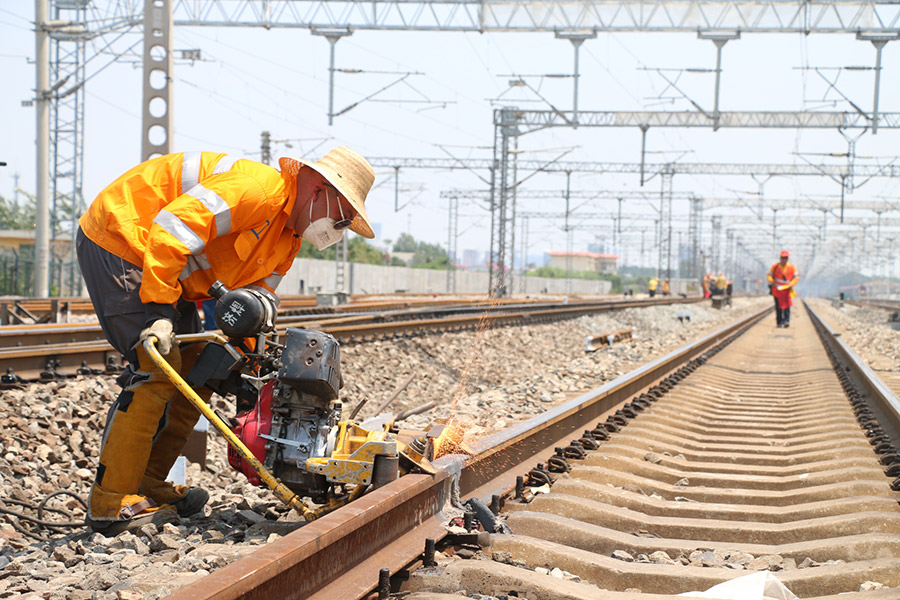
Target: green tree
x=405 y=243
x=358 y=251
x=16 y=216
x=430 y=256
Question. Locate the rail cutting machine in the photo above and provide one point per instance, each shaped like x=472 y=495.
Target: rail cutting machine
x=287 y=433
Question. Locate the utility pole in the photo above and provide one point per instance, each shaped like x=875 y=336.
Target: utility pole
x=719 y=39
x=157 y=71
x=643 y=231
x=523 y=285
x=42 y=208
x=332 y=35
x=577 y=38
x=265 y=148
x=340 y=266
x=452 y=227
x=568 y=236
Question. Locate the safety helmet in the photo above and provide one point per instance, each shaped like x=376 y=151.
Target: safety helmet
x=785 y=254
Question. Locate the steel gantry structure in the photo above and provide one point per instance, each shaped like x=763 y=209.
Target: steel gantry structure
x=573 y=20
x=503 y=208
x=686 y=16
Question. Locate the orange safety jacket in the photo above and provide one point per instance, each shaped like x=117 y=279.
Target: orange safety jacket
x=189 y=219
x=778 y=276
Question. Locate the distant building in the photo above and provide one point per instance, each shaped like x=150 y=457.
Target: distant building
x=585 y=261
x=472 y=258
x=15 y=239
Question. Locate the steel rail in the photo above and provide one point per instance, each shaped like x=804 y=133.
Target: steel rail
x=884 y=402
x=883 y=304
x=94 y=355
x=63 y=333
x=341 y=554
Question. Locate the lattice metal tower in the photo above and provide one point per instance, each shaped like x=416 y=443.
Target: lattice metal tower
x=67 y=58
x=695 y=219
x=664 y=264
x=500 y=268
x=716 y=246
x=452 y=233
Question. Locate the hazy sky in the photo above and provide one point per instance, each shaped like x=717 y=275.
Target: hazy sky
x=251 y=80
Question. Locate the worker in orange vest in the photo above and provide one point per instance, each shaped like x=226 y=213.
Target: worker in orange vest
x=782 y=278
x=151 y=245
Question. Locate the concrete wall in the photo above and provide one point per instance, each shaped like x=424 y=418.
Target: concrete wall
x=377 y=279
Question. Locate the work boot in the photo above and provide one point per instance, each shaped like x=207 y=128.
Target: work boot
x=193 y=502
x=187 y=501
x=131 y=425
x=151 y=515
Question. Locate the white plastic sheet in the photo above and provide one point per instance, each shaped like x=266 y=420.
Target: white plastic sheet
x=761 y=585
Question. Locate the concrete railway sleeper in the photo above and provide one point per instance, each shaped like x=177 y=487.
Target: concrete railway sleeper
x=764 y=453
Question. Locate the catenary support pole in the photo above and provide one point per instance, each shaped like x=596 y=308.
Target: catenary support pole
x=42 y=209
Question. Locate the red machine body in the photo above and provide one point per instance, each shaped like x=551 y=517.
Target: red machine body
x=251 y=425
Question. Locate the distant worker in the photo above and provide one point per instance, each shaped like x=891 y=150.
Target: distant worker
x=721 y=282
x=704 y=285
x=151 y=245
x=782 y=278
x=652 y=285
x=665 y=287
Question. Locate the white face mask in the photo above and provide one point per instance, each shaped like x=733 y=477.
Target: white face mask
x=322 y=233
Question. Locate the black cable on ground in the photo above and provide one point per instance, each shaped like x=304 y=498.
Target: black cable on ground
x=18 y=518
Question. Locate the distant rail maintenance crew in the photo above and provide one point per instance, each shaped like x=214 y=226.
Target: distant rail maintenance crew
x=652 y=285
x=782 y=277
x=150 y=245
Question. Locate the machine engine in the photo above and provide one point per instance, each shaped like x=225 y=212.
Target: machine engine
x=288 y=412
x=296 y=415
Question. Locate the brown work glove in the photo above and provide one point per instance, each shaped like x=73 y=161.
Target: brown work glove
x=164 y=332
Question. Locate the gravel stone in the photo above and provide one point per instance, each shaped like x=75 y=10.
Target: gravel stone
x=50 y=440
x=868 y=586
x=661 y=557
x=622 y=555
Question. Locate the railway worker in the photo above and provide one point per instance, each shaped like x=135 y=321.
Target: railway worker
x=721 y=282
x=149 y=246
x=652 y=285
x=664 y=287
x=782 y=278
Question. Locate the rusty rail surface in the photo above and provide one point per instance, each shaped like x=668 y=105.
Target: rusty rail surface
x=47 y=352
x=762 y=454
x=885 y=403
x=341 y=554
x=23 y=310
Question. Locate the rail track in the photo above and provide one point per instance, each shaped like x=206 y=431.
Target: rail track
x=751 y=448
x=883 y=304
x=36 y=352
x=20 y=311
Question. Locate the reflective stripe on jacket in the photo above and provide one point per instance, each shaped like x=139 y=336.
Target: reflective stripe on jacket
x=192 y=218
x=778 y=276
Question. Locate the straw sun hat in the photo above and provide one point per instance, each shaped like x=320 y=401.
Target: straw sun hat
x=349 y=173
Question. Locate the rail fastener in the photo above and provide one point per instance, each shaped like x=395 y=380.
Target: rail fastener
x=592 y=344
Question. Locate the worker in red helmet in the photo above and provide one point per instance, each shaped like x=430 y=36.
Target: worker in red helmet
x=783 y=276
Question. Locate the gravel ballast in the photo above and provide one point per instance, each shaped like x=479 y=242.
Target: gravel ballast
x=50 y=437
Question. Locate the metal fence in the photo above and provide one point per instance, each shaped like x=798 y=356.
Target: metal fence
x=17 y=274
